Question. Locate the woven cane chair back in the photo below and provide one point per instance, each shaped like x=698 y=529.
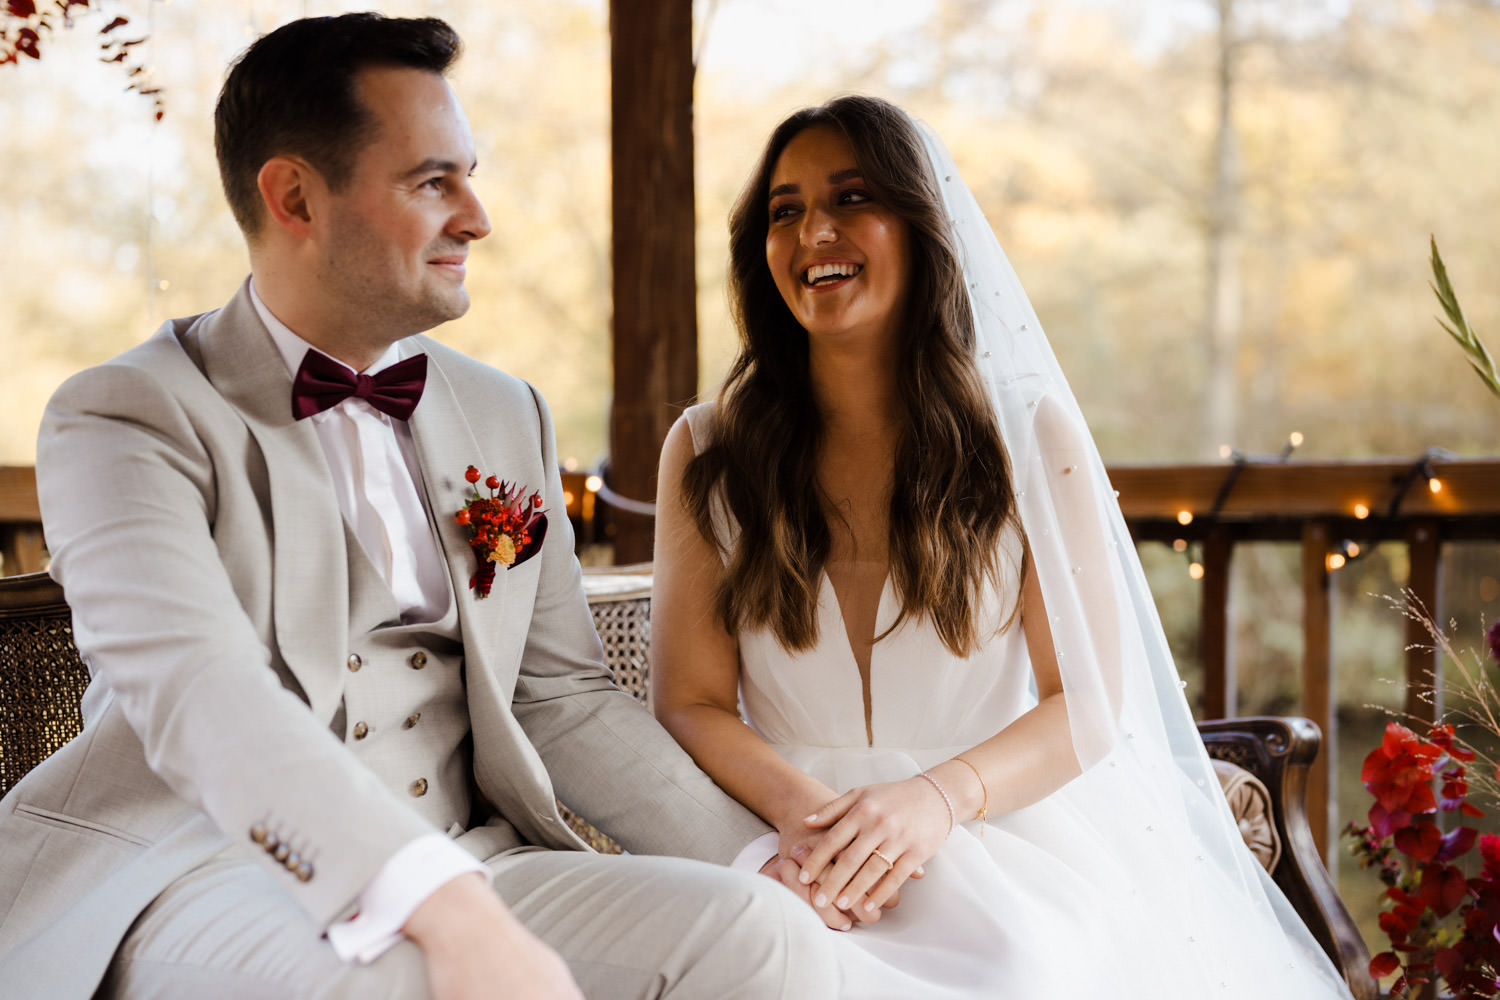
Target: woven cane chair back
x=41 y=677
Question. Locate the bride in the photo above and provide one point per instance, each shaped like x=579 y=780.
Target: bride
x=891 y=547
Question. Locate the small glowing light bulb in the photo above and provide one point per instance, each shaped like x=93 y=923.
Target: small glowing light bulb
x=1333 y=561
x=593 y=484
x=1435 y=484
x=1184 y=517
x=1361 y=511
x=1195 y=570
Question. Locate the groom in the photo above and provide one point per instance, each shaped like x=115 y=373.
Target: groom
x=316 y=761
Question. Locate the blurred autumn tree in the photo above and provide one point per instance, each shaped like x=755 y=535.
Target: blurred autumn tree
x=23 y=23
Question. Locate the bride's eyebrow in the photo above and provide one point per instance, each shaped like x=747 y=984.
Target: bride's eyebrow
x=837 y=177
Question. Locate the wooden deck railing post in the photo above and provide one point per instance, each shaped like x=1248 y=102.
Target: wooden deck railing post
x=1215 y=642
x=1317 y=680
x=655 y=281
x=1424 y=663
x=21 y=547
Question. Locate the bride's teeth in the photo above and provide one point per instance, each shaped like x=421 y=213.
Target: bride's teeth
x=819 y=272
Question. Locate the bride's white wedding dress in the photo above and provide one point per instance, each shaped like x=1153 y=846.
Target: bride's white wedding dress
x=1054 y=900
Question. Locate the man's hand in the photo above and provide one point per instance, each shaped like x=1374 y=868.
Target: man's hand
x=786 y=871
x=476 y=948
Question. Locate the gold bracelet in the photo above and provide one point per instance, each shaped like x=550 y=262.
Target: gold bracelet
x=984 y=807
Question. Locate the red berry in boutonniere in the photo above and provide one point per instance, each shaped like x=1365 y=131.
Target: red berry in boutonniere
x=506 y=527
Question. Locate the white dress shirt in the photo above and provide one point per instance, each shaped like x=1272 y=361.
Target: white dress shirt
x=378 y=483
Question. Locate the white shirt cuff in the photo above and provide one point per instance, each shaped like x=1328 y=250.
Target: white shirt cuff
x=407 y=878
x=755 y=854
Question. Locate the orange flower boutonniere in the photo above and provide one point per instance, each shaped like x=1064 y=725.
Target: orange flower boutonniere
x=506 y=527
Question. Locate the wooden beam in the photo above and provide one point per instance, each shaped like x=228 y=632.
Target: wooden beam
x=1317 y=678
x=1424 y=662
x=1300 y=490
x=1215 y=641
x=655 y=284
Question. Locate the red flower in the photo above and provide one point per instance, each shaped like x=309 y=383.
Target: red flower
x=1489 y=850
x=1426 y=893
x=1399 y=774
x=1441 y=736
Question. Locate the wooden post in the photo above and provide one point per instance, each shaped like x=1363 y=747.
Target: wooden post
x=1216 y=644
x=1317 y=680
x=1424 y=662
x=21 y=546
x=655 y=286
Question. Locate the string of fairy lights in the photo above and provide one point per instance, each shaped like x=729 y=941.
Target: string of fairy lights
x=1340 y=553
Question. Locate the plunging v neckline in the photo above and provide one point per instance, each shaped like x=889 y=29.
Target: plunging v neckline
x=866 y=691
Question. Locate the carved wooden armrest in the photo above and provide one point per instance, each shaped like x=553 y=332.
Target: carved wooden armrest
x=1279 y=751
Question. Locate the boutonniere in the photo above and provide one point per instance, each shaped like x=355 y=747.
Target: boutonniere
x=506 y=527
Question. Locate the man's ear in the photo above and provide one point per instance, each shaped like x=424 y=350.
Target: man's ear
x=289 y=187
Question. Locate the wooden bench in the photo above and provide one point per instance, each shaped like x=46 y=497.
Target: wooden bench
x=42 y=682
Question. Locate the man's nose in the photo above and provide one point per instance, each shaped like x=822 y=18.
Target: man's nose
x=471 y=220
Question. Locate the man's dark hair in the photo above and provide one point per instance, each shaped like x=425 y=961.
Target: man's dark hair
x=292 y=92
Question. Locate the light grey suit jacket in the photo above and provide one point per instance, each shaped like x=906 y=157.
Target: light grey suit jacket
x=193 y=524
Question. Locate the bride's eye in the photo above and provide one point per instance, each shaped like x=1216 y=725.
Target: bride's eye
x=782 y=212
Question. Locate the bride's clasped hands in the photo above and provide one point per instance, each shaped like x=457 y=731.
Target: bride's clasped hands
x=874 y=838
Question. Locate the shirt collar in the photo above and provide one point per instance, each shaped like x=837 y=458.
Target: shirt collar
x=293 y=347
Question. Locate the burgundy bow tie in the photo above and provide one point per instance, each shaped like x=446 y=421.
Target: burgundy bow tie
x=322 y=382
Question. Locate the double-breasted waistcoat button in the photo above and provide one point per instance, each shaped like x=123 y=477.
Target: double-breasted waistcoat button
x=411 y=720
x=304 y=871
x=419 y=788
x=354 y=662
x=259 y=833
x=418 y=660
x=282 y=852
x=361 y=730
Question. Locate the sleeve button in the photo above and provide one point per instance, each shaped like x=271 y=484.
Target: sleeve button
x=411 y=720
x=419 y=788
x=418 y=660
x=361 y=730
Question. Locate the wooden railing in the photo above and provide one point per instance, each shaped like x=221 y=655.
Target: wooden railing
x=1423 y=503
x=1215 y=508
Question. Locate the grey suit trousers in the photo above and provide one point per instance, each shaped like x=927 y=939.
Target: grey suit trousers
x=628 y=927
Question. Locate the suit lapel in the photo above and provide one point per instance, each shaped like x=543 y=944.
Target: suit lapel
x=446 y=446
x=493 y=628
x=310 y=576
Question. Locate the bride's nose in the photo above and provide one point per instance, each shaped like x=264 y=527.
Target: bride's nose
x=818 y=228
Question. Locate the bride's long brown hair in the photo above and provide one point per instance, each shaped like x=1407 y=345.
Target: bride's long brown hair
x=951 y=497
